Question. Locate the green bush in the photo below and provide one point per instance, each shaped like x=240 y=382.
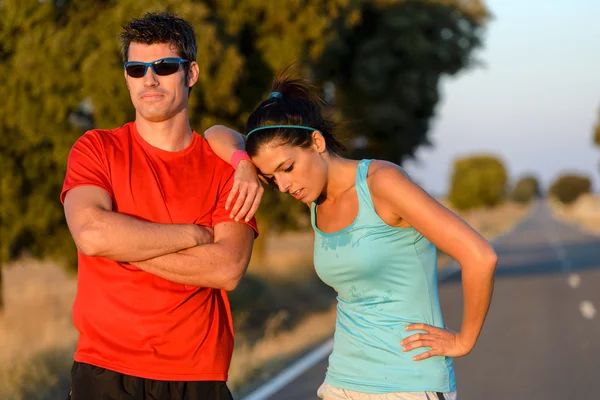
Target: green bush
x=526 y=189
x=567 y=188
x=477 y=181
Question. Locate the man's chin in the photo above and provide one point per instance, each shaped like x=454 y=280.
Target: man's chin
x=155 y=116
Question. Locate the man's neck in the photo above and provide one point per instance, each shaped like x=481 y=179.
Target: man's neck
x=172 y=135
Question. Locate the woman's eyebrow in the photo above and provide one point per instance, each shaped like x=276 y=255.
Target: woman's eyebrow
x=279 y=166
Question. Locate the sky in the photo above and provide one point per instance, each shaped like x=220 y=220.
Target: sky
x=534 y=102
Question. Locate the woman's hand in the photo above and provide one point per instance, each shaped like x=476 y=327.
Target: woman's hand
x=247 y=184
x=442 y=342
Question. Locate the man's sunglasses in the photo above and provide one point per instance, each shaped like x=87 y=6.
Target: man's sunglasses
x=162 y=67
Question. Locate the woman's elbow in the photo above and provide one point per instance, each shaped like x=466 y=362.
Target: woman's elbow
x=488 y=258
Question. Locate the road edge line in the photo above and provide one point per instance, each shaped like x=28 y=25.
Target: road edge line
x=292 y=372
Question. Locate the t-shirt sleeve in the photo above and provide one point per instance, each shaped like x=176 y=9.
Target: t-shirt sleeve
x=225 y=184
x=87 y=165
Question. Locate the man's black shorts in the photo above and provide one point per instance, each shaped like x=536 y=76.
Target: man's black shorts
x=89 y=382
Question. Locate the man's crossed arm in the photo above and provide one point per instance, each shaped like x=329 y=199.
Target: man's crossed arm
x=220 y=265
x=182 y=253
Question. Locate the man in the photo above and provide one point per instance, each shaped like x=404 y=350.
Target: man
x=145 y=204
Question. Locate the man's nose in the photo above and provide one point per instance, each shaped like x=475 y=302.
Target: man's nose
x=150 y=78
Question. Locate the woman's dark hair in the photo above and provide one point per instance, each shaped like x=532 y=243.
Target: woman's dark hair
x=297 y=104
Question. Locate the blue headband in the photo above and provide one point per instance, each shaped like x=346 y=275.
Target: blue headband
x=276 y=95
x=281 y=126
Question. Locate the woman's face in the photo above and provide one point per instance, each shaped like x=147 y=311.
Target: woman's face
x=301 y=172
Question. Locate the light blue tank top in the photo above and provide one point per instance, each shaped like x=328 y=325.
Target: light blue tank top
x=386 y=278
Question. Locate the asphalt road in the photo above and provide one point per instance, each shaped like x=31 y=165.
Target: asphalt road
x=541 y=339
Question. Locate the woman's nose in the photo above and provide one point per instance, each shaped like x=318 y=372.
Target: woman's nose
x=283 y=186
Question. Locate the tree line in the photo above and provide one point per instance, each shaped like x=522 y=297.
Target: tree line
x=378 y=63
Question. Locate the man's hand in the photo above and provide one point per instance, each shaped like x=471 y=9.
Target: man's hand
x=249 y=187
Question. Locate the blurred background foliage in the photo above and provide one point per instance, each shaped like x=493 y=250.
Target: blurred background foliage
x=569 y=187
x=478 y=181
x=525 y=189
x=378 y=62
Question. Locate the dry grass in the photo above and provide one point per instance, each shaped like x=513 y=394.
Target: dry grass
x=584 y=212
x=37 y=337
x=281 y=310
x=255 y=362
x=493 y=222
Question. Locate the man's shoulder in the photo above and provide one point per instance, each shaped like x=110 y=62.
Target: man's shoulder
x=111 y=134
x=105 y=138
x=212 y=159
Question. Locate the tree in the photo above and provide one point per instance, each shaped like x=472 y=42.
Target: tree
x=568 y=187
x=477 y=181
x=386 y=66
x=526 y=189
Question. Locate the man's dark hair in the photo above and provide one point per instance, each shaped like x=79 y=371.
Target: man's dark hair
x=160 y=28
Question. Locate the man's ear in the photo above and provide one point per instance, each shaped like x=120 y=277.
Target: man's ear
x=125 y=76
x=318 y=142
x=192 y=75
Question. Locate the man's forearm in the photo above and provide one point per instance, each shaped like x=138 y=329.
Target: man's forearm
x=213 y=265
x=125 y=238
x=224 y=141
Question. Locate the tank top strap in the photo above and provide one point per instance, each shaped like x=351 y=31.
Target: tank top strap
x=362 y=188
x=366 y=209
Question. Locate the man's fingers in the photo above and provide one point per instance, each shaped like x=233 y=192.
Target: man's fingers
x=232 y=193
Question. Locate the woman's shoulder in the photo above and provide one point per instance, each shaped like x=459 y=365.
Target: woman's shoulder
x=382 y=170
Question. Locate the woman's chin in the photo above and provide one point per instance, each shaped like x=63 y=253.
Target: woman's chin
x=308 y=199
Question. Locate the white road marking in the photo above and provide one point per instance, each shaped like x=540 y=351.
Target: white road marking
x=574 y=280
x=587 y=309
x=560 y=251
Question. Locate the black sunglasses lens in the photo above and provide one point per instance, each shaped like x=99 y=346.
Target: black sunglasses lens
x=166 y=68
x=136 y=70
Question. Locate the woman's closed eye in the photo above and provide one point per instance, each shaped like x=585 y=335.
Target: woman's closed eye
x=269 y=180
x=289 y=169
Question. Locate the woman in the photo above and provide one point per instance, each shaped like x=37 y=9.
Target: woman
x=376 y=234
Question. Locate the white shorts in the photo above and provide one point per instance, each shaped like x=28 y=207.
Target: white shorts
x=328 y=392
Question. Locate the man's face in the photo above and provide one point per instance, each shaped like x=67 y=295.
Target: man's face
x=159 y=98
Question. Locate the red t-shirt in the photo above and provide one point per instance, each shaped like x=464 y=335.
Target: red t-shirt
x=131 y=321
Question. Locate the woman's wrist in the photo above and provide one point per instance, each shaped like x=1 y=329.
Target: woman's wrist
x=238 y=156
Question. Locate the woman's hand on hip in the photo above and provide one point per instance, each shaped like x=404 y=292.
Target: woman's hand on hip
x=442 y=342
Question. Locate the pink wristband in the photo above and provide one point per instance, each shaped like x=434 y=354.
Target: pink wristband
x=238 y=156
